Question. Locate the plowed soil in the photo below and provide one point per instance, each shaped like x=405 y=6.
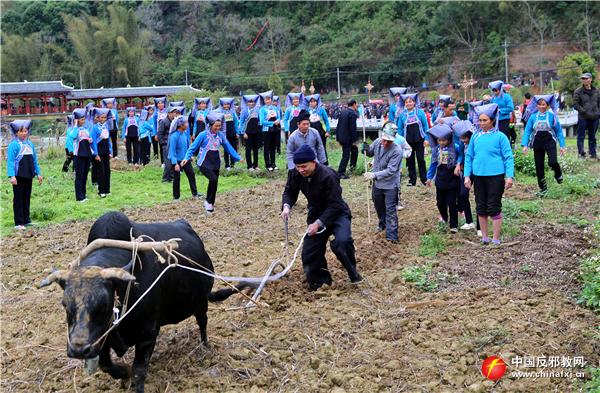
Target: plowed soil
x=381 y=335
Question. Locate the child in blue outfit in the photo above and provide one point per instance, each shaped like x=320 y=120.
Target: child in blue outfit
x=21 y=167
x=179 y=143
x=147 y=132
x=132 y=136
x=102 y=144
x=69 y=136
x=206 y=147
x=446 y=155
x=542 y=132
x=230 y=127
x=83 y=152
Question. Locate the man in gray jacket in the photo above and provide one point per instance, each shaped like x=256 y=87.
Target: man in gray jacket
x=386 y=175
x=586 y=100
x=304 y=135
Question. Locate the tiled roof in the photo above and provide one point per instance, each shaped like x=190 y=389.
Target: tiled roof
x=34 y=87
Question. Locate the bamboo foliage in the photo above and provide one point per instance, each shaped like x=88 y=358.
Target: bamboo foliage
x=112 y=51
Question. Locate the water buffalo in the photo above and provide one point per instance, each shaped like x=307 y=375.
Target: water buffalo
x=91 y=286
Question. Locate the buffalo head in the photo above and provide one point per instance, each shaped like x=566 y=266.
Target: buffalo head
x=88 y=299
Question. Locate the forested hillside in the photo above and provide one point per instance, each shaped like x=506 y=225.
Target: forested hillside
x=149 y=42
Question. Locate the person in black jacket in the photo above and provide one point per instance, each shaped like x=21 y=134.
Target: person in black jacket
x=586 y=100
x=347 y=136
x=328 y=215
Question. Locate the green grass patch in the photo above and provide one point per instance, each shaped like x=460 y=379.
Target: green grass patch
x=573 y=187
x=431 y=244
x=420 y=276
x=54 y=201
x=590 y=271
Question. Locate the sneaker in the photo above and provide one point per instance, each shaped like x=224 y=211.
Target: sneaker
x=276 y=168
x=83 y=200
x=479 y=233
x=453 y=230
x=162 y=166
x=440 y=219
x=343 y=176
x=582 y=155
x=400 y=207
x=102 y=195
x=485 y=241
x=19 y=227
x=541 y=193
x=496 y=242
x=257 y=169
x=270 y=169
x=176 y=199
x=30 y=224
x=250 y=169
x=228 y=168
x=393 y=241
x=468 y=227
x=559 y=180
x=379 y=229
x=411 y=184
x=208 y=207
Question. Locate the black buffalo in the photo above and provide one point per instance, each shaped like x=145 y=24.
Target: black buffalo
x=91 y=287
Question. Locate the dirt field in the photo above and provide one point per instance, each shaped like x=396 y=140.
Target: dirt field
x=382 y=335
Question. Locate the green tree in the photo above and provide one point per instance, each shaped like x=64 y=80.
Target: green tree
x=569 y=71
x=112 y=51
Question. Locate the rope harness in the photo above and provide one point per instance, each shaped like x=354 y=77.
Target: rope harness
x=172 y=261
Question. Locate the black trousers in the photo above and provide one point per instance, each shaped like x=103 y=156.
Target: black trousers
x=349 y=152
x=168 y=170
x=446 y=204
x=82 y=167
x=67 y=163
x=132 y=145
x=252 y=146
x=313 y=253
x=189 y=173
x=278 y=142
x=213 y=181
x=21 y=199
x=464 y=204
x=95 y=171
x=145 y=151
x=270 y=139
x=504 y=126
x=385 y=202
x=233 y=141
x=113 y=139
x=539 y=156
x=418 y=153
x=155 y=149
x=591 y=126
x=103 y=174
x=488 y=194
x=324 y=140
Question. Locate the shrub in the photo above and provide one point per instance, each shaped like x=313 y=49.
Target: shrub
x=420 y=276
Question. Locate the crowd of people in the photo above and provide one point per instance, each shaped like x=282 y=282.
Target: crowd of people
x=471 y=146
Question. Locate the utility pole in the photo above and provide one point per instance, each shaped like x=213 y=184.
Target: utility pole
x=505 y=62
x=338 y=80
x=80 y=80
x=186 y=78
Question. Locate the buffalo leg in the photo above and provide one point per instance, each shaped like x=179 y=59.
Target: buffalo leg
x=118 y=370
x=202 y=320
x=143 y=352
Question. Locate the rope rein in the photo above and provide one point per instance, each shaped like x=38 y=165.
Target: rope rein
x=172 y=261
